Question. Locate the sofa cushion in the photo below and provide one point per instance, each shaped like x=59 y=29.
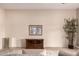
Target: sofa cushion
x=33 y=51
x=25 y=51
x=5 y=52
x=52 y=52
x=43 y=52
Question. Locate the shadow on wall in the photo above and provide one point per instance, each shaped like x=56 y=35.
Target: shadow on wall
x=23 y=43
x=8 y=43
x=19 y=43
x=5 y=43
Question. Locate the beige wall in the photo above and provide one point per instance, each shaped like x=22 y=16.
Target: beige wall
x=2 y=26
x=17 y=22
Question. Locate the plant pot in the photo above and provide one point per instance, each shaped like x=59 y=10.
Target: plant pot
x=70 y=46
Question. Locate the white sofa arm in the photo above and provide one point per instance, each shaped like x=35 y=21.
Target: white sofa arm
x=68 y=52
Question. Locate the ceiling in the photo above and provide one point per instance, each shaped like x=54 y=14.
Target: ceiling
x=39 y=5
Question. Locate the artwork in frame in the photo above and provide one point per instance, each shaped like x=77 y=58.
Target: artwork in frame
x=35 y=30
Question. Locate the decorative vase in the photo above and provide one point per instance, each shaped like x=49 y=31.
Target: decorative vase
x=70 y=46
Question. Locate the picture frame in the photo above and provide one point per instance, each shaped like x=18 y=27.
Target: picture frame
x=35 y=30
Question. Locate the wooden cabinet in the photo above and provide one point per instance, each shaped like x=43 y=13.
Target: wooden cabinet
x=34 y=43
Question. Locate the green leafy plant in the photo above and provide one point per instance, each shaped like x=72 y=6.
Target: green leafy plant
x=70 y=28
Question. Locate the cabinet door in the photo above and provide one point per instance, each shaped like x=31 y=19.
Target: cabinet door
x=34 y=44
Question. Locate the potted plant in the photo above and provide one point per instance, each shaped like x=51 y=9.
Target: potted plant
x=70 y=28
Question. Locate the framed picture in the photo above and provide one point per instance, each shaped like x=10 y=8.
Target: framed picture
x=35 y=30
